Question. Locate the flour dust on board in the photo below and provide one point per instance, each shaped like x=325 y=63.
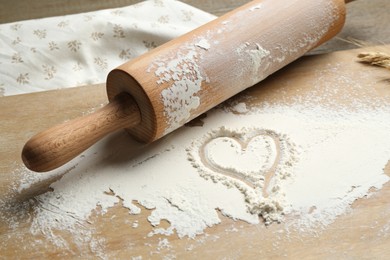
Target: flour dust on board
x=255 y=159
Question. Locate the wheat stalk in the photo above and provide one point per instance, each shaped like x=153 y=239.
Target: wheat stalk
x=380 y=59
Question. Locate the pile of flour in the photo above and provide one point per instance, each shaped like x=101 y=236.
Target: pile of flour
x=306 y=155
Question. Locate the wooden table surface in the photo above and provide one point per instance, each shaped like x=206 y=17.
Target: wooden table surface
x=361 y=234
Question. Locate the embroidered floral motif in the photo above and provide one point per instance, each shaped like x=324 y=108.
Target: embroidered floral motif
x=74 y=45
x=149 y=45
x=77 y=67
x=187 y=15
x=49 y=70
x=102 y=63
x=63 y=24
x=53 y=46
x=41 y=34
x=117 y=12
x=16 y=26
x=163 y=19
x=16 y=41
x=118 y=31
x=17 y=58
x=97 y=36
x=125 y=54
x=23 y=79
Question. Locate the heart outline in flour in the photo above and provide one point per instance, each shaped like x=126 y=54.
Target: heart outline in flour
x=262 y=179
x=239 y=146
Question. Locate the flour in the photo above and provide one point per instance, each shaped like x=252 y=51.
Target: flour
x=255 y=60
x=257 y=158
x=204 y=44
x=182 y=73
x=257 y=57
x=244 y=159
x=240 y=108
x=322 y=177
x=256 y=7
x=305 y=156
x=135 y=224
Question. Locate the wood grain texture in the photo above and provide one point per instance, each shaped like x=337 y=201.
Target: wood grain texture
x=59 y=144
x=361 y=233
x=366 y=21
x=48 y=111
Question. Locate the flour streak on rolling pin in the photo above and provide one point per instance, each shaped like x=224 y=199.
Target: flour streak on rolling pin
x=156 y=93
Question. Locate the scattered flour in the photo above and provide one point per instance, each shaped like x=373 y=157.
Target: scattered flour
x=255 y=57
x=252 y=160
x=204 y=44
x=135 y=224
x=256 y=7
x=163 y=243
x=240 y=108
x=310 y=158
x=182 y=73
x=334 y=169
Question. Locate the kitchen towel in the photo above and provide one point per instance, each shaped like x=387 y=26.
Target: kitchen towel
x=80 y=49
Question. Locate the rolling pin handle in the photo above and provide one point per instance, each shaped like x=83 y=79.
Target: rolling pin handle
x=60 y=144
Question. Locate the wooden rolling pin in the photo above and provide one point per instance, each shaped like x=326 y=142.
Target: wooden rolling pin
x=156 y=93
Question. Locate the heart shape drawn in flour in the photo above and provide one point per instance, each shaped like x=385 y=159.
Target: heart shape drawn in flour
x=249 y=160
x=258 y=158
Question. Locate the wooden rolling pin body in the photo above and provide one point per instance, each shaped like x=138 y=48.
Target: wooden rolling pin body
x=185 y=77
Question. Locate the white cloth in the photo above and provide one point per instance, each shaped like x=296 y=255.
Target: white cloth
x=80 y=49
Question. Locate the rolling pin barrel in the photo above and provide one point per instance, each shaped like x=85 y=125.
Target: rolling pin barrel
x=185 y=77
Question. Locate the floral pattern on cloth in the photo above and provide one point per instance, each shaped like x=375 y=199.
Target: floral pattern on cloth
x=80 y=49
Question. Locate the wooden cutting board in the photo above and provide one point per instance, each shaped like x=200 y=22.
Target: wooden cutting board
x=362 y=233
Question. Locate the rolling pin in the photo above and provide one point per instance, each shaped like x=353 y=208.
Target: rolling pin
x=156 y=93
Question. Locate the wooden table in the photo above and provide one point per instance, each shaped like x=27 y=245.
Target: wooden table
x=363 y=233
